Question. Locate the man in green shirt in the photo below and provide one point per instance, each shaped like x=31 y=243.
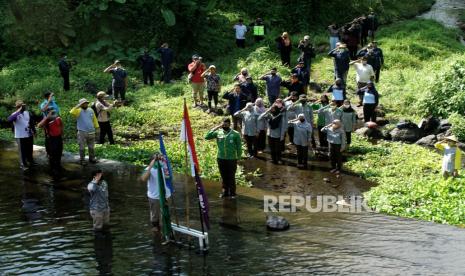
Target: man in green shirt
x=229 y=151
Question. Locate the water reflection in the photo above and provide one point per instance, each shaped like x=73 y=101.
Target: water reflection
x=103 y=247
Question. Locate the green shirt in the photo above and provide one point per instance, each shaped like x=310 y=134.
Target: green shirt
x=229 y=144
x=321 y=117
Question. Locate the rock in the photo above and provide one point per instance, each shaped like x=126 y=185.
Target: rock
x=461 y=146
x=276 y=223
x=381 y=121
x=326 y=180
x=315 y=87
x=406 y=132
x=427 y=141
x=359 y=113
x=443 y=135
x=373 y=133
x=429 y=125
x=444 y=125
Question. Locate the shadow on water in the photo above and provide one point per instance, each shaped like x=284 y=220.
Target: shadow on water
x=45 y=229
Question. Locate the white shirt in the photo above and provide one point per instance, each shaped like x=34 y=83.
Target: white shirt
x=153 y=191
x=22 y=125
x=364 y=72
x=240 y=31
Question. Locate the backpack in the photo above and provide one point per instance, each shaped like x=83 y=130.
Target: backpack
x=94 y=108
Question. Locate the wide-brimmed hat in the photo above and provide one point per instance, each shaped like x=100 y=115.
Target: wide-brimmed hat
x=342 y=45
x=82 y=101
x=452 y=138
x=212 y=67
x=307 y=37
x=101 y=94
x=19 y=103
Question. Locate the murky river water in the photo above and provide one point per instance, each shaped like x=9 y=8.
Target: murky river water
x=45 y=230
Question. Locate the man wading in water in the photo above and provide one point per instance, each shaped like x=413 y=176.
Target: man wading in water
x=99 y=206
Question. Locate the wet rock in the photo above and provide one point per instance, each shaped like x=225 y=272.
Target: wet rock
x=406 y=132
x=427 y=141
x=276 y=223
x=327 y=180
x=373 y=133
x=429 y=125
x=381 y=121
x=443 y=135
x=444 y=125
x=315 y=87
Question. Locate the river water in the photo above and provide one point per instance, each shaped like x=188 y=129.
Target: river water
x=45 y=229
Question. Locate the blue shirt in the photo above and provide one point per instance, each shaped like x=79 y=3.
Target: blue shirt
x=52 y=104
x=85 y=120
x=273 y=84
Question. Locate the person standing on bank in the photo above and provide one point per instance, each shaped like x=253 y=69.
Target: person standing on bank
x=86 y=125
x=302 y=138
x=337 y=144
x=341 y=61
x=241 y=30
x=53 y=126
x=276 y=130
x=284 y=45
x=213 y=86
x=258 y=28
x=259 y=109
x=334 y=34
x=147 y=65
x=273 y=85
x=307 y=52
x=196 y=69
x=370 y=99
x=229 y=151
x=338 y=91
x=249 y=128
x=119 y=83
x=64 y=66
x=24 y=129
x=348 y=120
x=99 y=206
x=151 y=177
x=452 y=158
x=167 y=58
x=103 y=109
x=364 y=72
x=236 y=101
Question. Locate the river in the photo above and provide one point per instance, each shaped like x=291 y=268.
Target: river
x=45 y=229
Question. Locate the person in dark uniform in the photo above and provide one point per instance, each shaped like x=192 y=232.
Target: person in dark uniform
x=64 y=66
x=167 y=58
x=147 y=64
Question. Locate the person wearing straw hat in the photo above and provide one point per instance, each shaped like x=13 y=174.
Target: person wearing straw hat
x=103 y=108
x=24 y=133
x=86 y=125
x=213 y=86
x=452 y=158
x=150 y=176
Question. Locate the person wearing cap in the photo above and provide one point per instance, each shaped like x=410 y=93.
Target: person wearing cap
x=196 y=69
x=369 y=99
x=64 y=66
x=349 y=120
x=334 y=34
x=151 y=177
x=276 y=130
x=147 y=65
x=99 y=206
x=338 y=91
x=284 y=45
x=49 y=102
x=293 y=84
x=302 y=138
x=452 y=158
x=302 y=73
x=260 y=141
x=241 y=30
x=236 y=101
x=273 y=84
x=229 y=151
x=337 y=144
x=119 y=82
x=53 y=127
x=258 y=28
x=24 y=130
x=241 y=77
x=167 y=58
x=249 y=128
x=213 y=86
x=307 y=52
x=86 y=125
x=363 y=71
x=103 y=108
x=341 y=61
x=249 y=89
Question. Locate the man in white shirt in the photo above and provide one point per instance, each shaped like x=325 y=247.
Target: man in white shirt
x=241 y=29
x=364 y=72
x=150 y=176
x=24 y=134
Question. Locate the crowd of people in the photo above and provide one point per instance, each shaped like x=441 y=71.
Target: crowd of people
x=309 y=124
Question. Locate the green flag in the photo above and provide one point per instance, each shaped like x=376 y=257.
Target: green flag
x=165 y=211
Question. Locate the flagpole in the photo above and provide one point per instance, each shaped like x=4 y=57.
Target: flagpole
x=186 y=185
x=200 y=207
